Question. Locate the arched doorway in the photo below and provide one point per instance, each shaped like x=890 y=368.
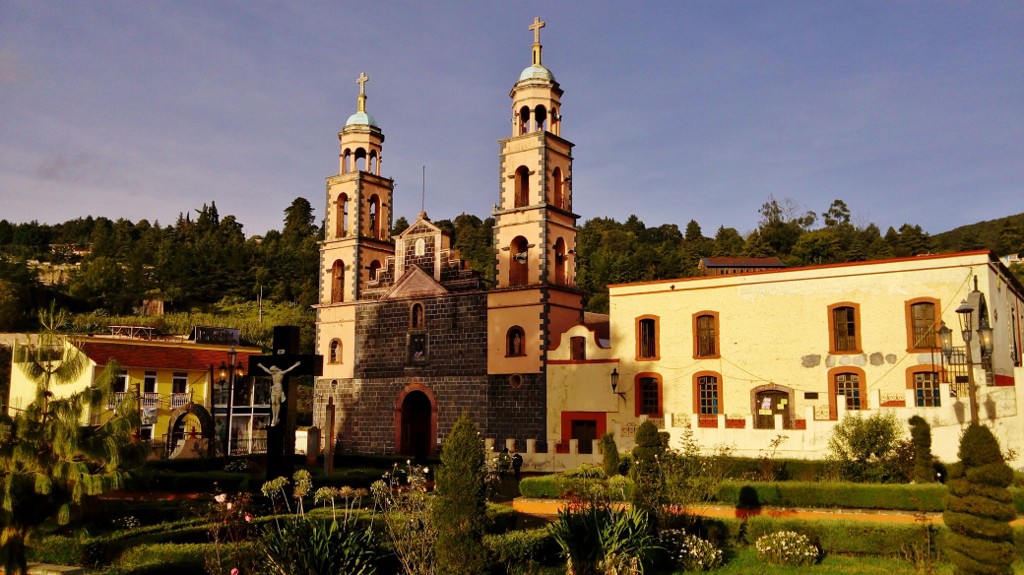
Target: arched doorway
x=416 y=424
x=190 y=419
x=769 y=402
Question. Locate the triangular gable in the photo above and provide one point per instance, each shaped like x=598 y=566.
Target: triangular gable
x=420 y=227
x=415 y=283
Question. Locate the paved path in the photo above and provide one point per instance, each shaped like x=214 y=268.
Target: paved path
x=550 y=508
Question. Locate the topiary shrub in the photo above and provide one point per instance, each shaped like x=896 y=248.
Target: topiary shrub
x=921 y=437
x=460 y=511
x=648 y=483
x=979 y=507
x=609 y=455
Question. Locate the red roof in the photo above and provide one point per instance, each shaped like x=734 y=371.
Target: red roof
x=185 y=357
x=743 y=263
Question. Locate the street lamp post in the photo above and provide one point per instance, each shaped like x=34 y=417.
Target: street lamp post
x=227 y=373
x=965 y=313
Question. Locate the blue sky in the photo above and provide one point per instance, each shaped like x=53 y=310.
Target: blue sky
x=908 y=111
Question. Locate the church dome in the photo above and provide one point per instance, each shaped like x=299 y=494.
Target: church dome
x=537 y=73
x=361 y=119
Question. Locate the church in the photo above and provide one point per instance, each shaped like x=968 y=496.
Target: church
x=747 y=354
x=412 y=338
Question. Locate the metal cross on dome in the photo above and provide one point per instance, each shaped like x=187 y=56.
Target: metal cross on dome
x=536 y=26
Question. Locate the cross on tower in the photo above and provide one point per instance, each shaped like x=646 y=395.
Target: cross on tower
x=536 y=26
x=362 y=80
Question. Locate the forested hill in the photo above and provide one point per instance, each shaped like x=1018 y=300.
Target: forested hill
x=98 y=264
x=1002 y=236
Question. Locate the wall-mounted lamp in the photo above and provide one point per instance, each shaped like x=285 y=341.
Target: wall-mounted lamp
x=614 y=377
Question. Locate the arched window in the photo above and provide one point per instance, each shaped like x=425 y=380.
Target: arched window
x=515 y=342
x=844 y=327
x=560 y=261
x=647 y=337
x=416 y=316
x=556 y=188
x=360 y=160
x=922 y=320
x=335 y=351
x=847 y=385
x=518 y=262
x=648 y=394
x=540 y=114
x=374 y=269
x=524 y=120
x=522 y=184
x=374 y=216
x=338 y=282
x=342 y=216
x=707 y=393
x=346 y=161
x=705 y=335
x=925 y=383
x=373 y=168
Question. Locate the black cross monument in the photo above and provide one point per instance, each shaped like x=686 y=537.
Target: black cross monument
x=286 y=356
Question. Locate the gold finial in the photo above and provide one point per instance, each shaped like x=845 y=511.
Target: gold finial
x=536 y=26
x=362 y=80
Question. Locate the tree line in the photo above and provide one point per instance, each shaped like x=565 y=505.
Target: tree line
x=204 y=259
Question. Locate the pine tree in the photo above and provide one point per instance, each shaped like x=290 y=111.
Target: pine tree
x=979 y=507
x=49 y=462
x=460 y=511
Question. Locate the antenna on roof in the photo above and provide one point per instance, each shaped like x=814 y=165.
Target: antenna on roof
x=423 y=193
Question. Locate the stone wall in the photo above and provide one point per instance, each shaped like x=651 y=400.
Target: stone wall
x=455 y=327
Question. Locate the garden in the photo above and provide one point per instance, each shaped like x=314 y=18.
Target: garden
x=640 y=512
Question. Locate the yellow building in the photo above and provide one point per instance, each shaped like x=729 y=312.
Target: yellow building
x=178 y=381
x=741 y=359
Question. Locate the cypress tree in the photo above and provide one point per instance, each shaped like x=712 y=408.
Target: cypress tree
x=460 y=511
x=921 y=436
x=979 y=507
x=609 y=455
x=648 y=484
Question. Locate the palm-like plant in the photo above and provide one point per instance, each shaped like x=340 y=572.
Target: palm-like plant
x=49 y=461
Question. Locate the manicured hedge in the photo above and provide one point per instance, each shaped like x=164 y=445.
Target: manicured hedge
x=838 y=536
x=840 y=495
x=555 y=486
x=521 y=551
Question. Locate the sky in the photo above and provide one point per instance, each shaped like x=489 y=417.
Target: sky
x=910 y=112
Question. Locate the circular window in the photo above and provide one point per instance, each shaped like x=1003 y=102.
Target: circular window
x=515 y=380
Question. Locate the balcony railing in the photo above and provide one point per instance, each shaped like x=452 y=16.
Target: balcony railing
x=179 y=400
x=116 y=399
x=150 y=399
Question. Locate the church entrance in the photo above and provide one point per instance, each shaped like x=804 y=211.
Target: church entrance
x=767 y=404
x=415 y=426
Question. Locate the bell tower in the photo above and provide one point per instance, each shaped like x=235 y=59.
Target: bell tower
x=535 y=228
x=357 y=236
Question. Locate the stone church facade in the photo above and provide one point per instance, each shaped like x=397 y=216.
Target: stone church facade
x=412 y=338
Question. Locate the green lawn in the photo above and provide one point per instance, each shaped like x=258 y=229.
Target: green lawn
x=745 y=562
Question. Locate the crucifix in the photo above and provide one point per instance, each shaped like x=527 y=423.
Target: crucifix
x=536 y=26
x=282 y=366
x=362 y=80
